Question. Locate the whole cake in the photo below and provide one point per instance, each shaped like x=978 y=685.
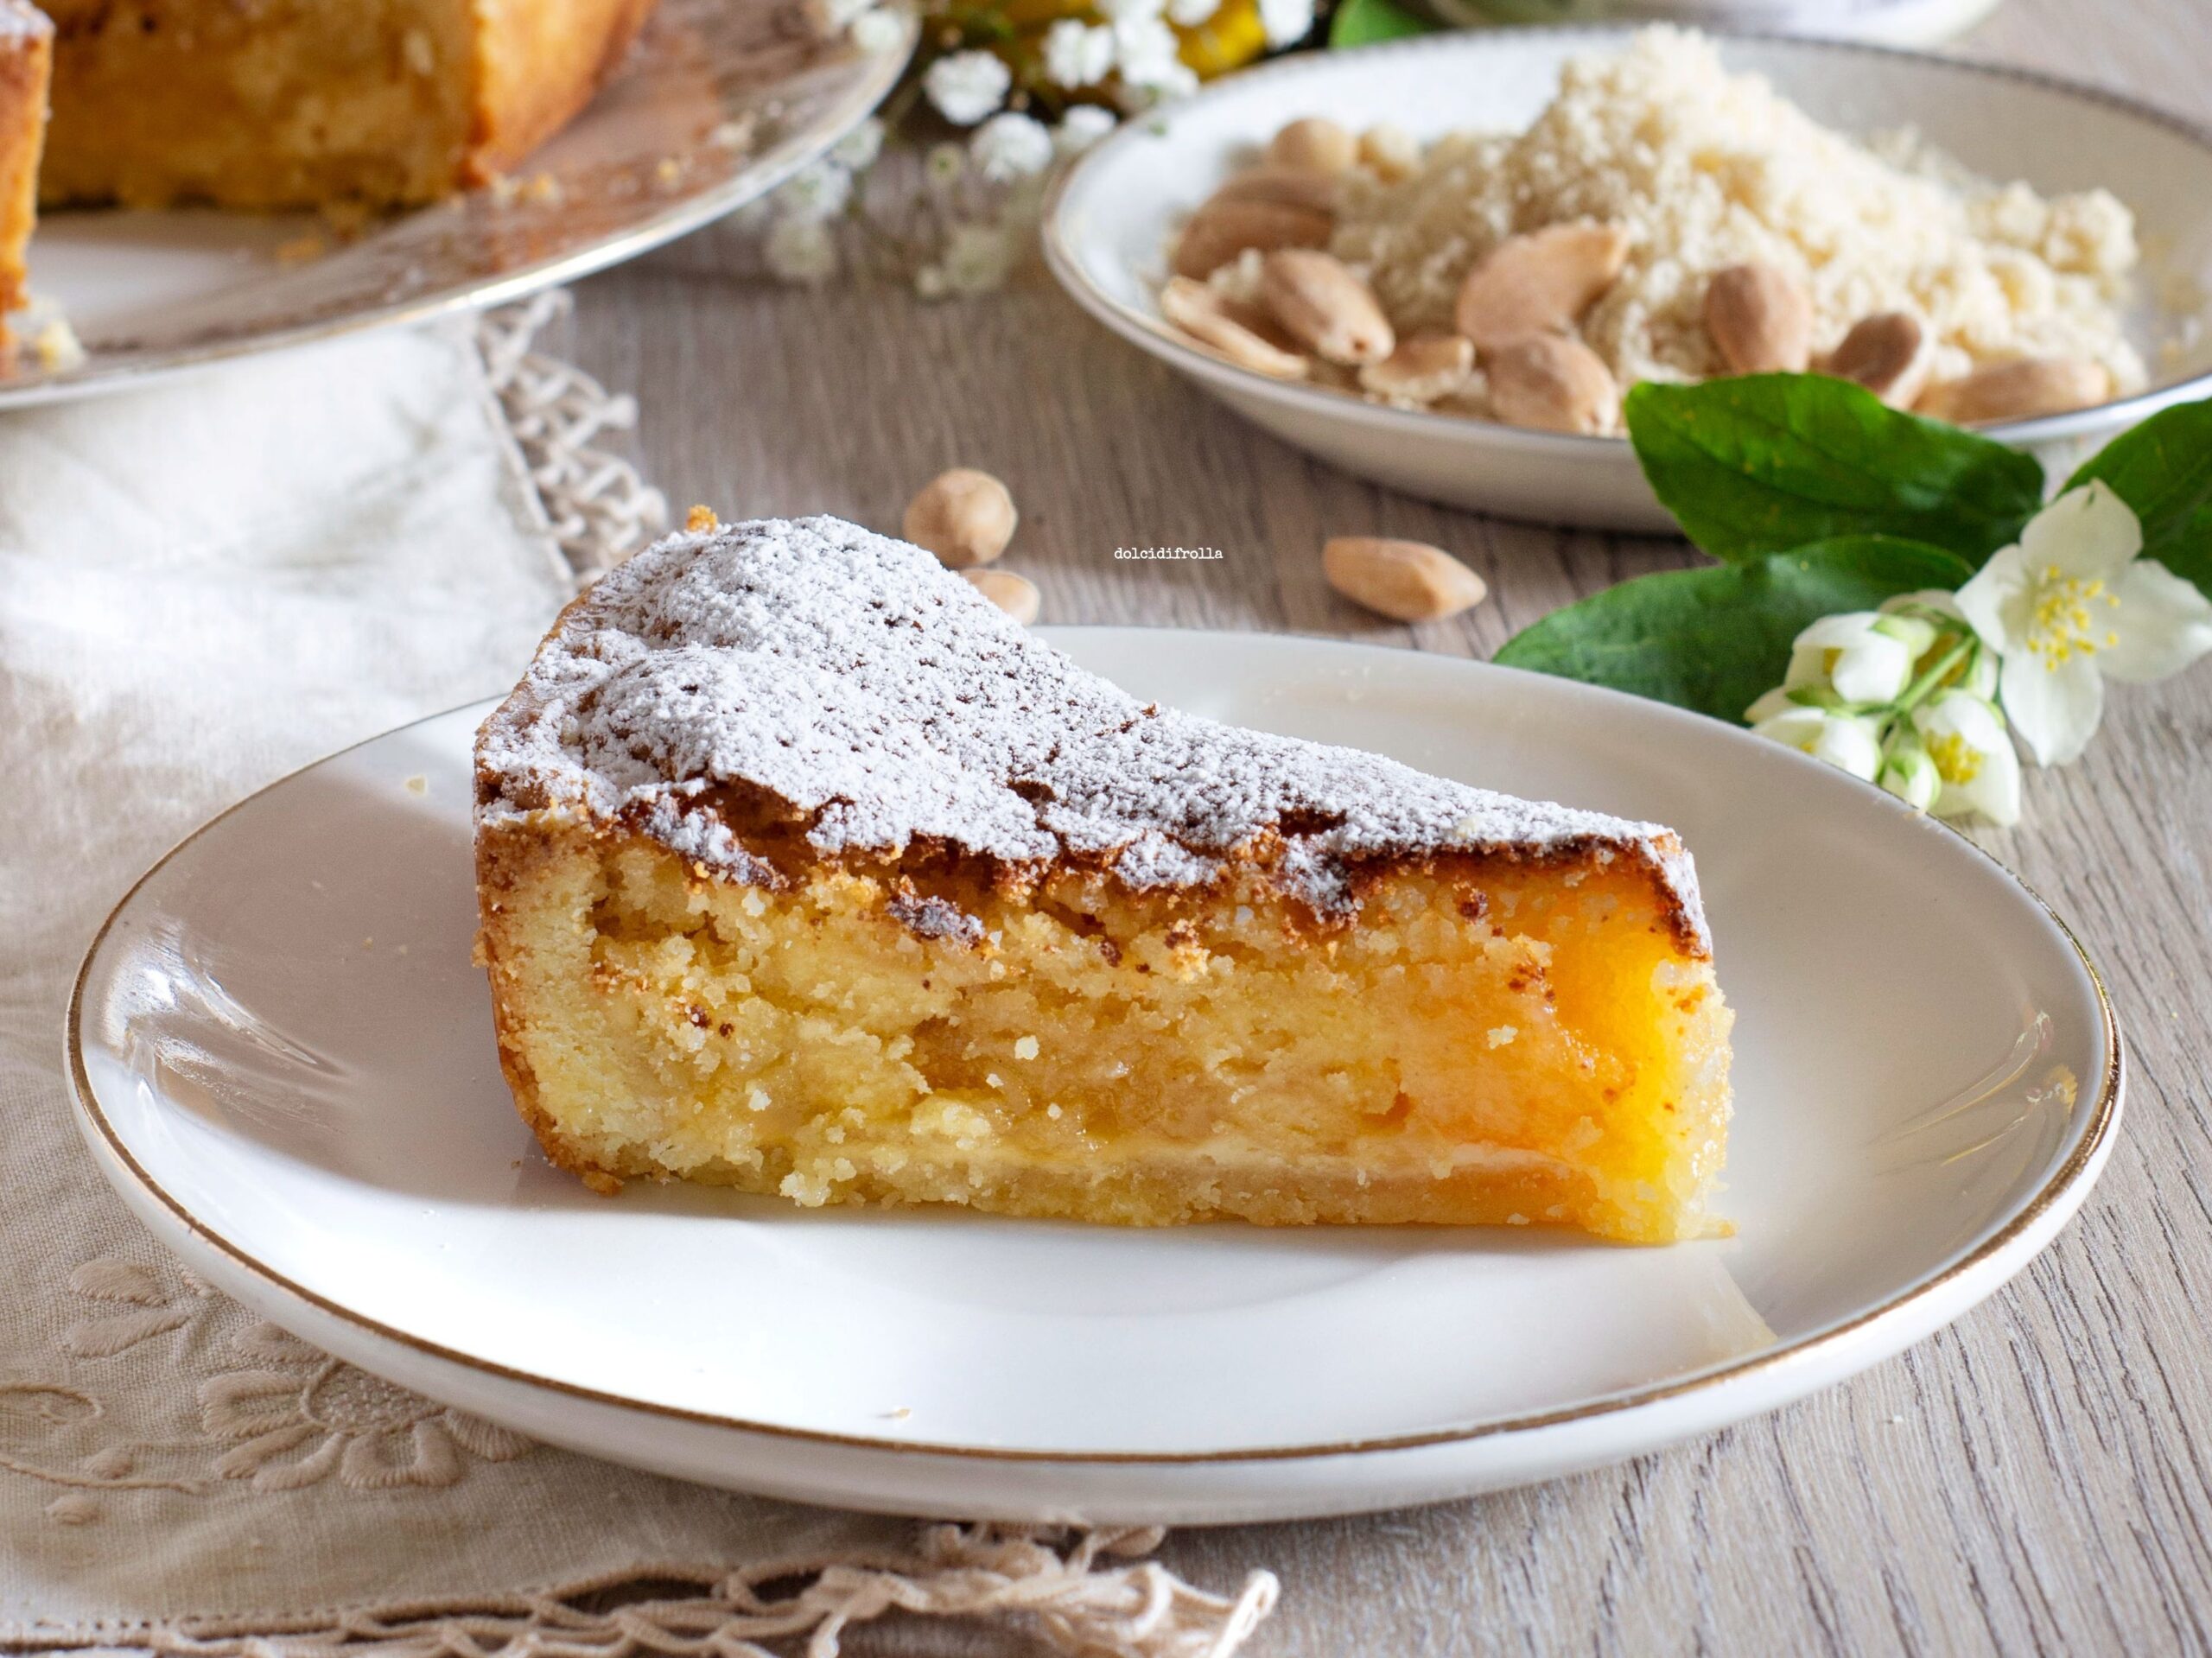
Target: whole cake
x=804 y=869
x=266 y=104
x=26 y=59
x=273 y=104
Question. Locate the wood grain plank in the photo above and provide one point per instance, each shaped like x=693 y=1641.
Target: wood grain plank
x=2035 y=1479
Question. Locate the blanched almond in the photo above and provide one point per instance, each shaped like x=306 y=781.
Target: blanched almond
x=1407 y=581
x=1554 y=383
x=1423 y=368
x=1539 y=282
x=1321 y=304
x=1389 y=152
x=1220 y=231
x=963 y=516
x=1887 y=353
x=1290 y=187
x=1240 y=333
x=1313 y=144
x=2019 y=390
x=1017 y=595
x=1760 y=318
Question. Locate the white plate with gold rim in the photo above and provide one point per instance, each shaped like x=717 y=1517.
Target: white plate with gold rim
x=718 y=101
x=1109 y=222
x=283 y=1061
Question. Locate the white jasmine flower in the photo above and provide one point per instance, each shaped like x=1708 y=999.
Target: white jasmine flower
x=2073 y=603
x=1077 y=54
x=818 y=190
x=857 y=151
x=1859 y=653
x=879 y=30
x=1082 y=127
x=1842 y=739
x=965 y=87
x=1286 y=21
x=1189 y=14
x=1010 y=147
x=1967 y=744
x=801 y=249
x=1908 y=772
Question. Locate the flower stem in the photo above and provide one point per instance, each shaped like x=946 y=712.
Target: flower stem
x=1938 y=674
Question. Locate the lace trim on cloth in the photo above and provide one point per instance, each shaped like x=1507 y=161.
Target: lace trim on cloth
x=598 y=509
x=1088 y=1596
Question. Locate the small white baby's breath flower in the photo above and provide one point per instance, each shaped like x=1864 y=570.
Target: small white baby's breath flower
x=801 y=249
x=879 y=30
x=1010 y=147
x=965 y=87
x=1155 y=85
x=944 y=166
x=858 y=149
x=818 y=190
x=1286 y=21
x=1129 y=11
x=1142 y=46
x=1077 y=54
x=1189 y=14
x=1145 y=56
x=977 y=257
x=1082 y=127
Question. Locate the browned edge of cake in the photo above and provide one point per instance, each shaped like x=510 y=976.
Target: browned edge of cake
x=26 y=70
x=538 y=71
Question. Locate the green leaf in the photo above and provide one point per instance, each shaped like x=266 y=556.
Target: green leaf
x=1364 y=22
x=1765 y=462
x=2162 y=469
x=1716 y=639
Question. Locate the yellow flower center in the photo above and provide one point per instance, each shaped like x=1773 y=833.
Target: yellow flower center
x=1957 y=761
x=2064 y=623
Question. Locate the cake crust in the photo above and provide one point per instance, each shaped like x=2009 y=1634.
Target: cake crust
x=725 y=691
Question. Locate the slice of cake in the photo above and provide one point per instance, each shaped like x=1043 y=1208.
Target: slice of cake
x=804 y=869
x=26 y=56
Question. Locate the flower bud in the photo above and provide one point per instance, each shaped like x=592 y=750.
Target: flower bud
x=1908 y=773
x=1848 y=741
x=1851 y=653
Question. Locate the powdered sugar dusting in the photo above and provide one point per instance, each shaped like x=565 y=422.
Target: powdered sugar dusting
x=887 y=700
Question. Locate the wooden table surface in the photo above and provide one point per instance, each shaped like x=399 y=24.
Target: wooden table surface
x=2035 y=1478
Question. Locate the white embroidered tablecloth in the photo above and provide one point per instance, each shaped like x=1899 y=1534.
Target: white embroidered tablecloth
x=203 y=585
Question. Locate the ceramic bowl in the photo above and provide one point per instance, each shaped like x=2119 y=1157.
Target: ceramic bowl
x=1110 y=220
